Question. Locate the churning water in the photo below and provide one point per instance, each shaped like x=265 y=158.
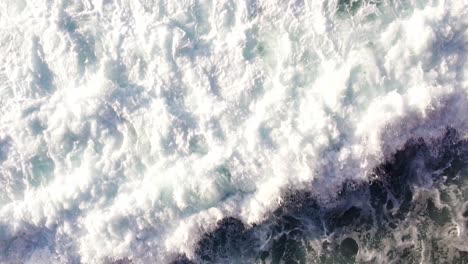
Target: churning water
x=233 y=131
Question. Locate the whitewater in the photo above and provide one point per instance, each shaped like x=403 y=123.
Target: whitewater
x=131 y=129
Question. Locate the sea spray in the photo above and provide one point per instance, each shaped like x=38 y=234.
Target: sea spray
x=131 y=130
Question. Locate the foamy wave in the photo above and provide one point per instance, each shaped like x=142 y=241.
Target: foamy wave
x=129 y=128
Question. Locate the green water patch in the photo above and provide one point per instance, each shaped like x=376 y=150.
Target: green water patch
x=42 y=170
x=349 y=6
x=352 y=7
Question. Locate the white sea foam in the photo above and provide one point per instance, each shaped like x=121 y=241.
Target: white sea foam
x=128 y=128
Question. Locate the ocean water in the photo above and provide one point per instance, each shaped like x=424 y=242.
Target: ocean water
x=222 y=131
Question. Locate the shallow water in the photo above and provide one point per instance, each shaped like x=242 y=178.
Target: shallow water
x=233 y=131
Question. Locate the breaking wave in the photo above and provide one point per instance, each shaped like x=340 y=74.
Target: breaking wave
x=233 y=131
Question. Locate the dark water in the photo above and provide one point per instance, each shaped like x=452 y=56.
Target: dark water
x=414 y=211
